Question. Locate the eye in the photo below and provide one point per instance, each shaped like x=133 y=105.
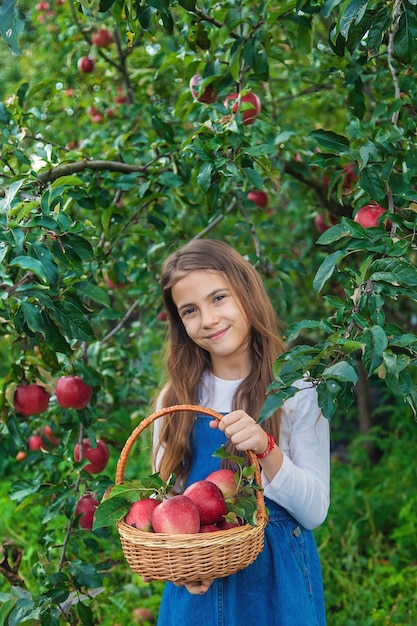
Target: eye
x=187 y=312
x=219 y=297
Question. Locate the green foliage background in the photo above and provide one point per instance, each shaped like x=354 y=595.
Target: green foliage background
x=103 y=173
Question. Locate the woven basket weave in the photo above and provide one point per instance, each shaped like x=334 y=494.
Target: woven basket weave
x=174 y=558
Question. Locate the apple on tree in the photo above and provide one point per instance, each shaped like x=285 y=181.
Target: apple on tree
x=35 y=442
x=140 y=514
x=30 y=399
x=86 y=507
x=98 y=456
x=176 y=515
x=208 y=499
x=48 y=433
x=209 y=95
x=250 y=103
x=369 y=214
x=102 y=38
x=162 y=316
x=143 y=616
x=86 y=65
x=259 y=197
x=72 y=392
x=349 y=177
x=323 y=222
x=46 y=440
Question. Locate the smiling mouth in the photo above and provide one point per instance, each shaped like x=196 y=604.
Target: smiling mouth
x=218 y=334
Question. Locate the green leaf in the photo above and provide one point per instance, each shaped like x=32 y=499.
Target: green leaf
x=60 y=183
x=327 y=392
x=24 y=488
x=341 y=371
x=331 y=141
x=295 y=329
x=84 y=575
x=188 y=5
x=33 y=317
x=346 y=228
x=32 y=265
x=375 y=342
x=93 y=292
x=352 y=14
x=326 y=269
x=405 y=38
x=275 y=401
x=204 y=176
x=74 y=323
x=398 y=273
x=11 y=24
x=110 y=511
x=372 y=181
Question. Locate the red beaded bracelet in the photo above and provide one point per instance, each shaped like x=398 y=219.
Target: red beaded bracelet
x=269 y=447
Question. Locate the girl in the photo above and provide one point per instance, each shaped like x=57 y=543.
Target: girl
x=223 y=340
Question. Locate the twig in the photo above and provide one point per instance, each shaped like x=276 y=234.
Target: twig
x=122 y=322
x=216 y=221
x=394 y=73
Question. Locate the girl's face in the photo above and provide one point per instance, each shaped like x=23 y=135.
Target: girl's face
x=214 y=319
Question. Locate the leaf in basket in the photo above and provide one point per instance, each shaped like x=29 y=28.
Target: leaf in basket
x=246 y=509
x=110 y=511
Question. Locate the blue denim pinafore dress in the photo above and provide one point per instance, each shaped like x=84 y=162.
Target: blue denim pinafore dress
x=283 y=587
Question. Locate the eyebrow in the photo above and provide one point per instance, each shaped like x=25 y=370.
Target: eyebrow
x=209 y=295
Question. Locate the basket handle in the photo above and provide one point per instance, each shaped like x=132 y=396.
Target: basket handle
x=121 y=464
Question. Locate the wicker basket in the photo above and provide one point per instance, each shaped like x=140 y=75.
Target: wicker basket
x=174 y=558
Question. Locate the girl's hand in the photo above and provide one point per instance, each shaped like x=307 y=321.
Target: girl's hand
x=198 y=587
x=243 y=431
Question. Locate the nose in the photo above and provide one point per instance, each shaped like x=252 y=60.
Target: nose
x=209 y=317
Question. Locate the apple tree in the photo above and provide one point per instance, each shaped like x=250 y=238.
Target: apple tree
x=127 y=128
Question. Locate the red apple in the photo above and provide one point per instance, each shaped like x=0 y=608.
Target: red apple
x=120 y=98
x=209 y=500
x=102 y=38
x=30 y=399
x=110 y=283
x=176 y=515
x=142 y=615
x=349 y=177
x=223 y=525
x=162 y=316
x=259 y=197
x=140 y=514
x=42 y=6
x=49 y=435
x=98 y=456
x=86 y=64
x=368 y=215
x=208 y=528
x=86 y=507
x=72 y=392
x=226 y=481
x=323 y=222
x=249 y=114
x=209 y=94
x=35 y=442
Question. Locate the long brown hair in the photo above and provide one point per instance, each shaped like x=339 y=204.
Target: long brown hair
x=186 y=362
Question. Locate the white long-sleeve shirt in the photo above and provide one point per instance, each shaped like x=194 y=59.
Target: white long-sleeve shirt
x=302 y=484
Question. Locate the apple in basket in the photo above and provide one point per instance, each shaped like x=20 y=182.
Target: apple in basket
x=140 y=514
x=176 y=515
x=209 y=500
x=226 y=481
